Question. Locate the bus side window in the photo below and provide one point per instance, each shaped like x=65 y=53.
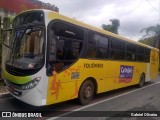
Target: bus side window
x=60 y=49
x=76 y=46
x=131 y=52
x=67 y=45
x=140 y=54
x=117 y=50
x=97 y=46
x=147 y=55
x=91 y=52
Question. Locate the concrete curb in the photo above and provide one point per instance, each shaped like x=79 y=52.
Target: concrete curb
x=5 y=95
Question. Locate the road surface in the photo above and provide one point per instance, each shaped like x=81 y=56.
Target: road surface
x=125 y=99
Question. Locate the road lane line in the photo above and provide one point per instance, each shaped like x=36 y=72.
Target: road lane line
x=92 y=104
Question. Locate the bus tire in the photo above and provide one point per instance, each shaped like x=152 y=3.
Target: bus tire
x=141 y=81
x=86 y=92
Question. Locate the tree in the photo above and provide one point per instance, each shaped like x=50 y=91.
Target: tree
x=151 y=31
x=112 y=27
x=150 y=35
x=149 y=41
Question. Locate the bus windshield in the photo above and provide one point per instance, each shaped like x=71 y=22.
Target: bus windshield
x=36 y=17
x=26 y=55
x=27 y=49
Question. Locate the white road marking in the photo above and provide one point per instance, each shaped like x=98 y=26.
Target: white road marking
x=53 y=118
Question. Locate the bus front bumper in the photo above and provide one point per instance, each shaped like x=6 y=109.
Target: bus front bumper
x=31 y=96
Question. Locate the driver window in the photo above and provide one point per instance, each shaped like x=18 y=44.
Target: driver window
x=65 y=45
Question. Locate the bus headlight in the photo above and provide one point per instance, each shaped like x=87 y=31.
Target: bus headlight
x=31 y=84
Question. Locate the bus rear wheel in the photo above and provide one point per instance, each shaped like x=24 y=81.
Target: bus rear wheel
x=86 y=92
x=141 y=81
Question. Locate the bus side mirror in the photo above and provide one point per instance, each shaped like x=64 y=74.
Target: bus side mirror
x=6 y=37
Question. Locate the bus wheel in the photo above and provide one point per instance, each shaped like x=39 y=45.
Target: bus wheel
x=86 y=92
x=141 y=81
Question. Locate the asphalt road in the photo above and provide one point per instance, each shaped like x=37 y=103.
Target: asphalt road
x=126 y=99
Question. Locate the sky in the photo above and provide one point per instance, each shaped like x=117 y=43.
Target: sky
x=134 y=15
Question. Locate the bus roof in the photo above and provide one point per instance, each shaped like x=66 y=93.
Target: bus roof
x=55 y=15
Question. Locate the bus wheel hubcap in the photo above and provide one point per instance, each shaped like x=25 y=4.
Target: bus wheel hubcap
x=88 y=92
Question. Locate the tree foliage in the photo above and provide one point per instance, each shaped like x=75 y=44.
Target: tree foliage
x=151 y=31
x=11 y=19
x=150 y=35
x=149 y=41
x=112 y=27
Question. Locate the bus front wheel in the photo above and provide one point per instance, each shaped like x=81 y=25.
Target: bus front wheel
x=86 y=92
x=141 y=81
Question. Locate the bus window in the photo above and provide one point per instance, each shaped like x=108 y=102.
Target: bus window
x=147 y=51
x=131 y=52
x=68 y=45
x=140 y=58
x=147 y=55
x=101 y=53
x=140 y=50
x=91 y=52
x=97 y=46
x=60 y=50
x=117 y=50
x=67 y=31
x=75 y=49
x=140 y=54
